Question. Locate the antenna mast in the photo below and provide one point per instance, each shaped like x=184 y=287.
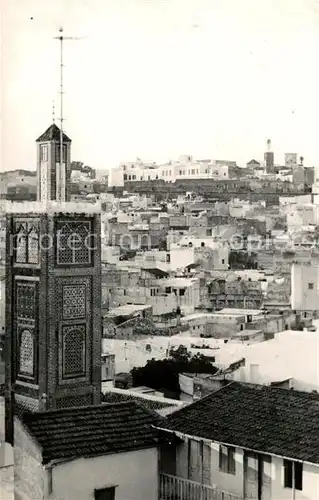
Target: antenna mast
x=61 y=193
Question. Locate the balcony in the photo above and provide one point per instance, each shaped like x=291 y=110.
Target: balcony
x=177 y=488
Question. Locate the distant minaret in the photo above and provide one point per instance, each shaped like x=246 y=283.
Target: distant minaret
x=269 y=158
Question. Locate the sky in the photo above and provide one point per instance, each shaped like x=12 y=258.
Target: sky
x=155 y=79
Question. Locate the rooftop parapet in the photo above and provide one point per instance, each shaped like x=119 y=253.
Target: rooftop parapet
x=50 y=207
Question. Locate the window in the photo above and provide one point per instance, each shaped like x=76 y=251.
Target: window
x=105 y=494
x=227 y=462
x=223 y=261
x=293 y=474
x=26 y=243
x=310 y=286
x=73 y=351
x=74 y=243
x=44 y=153
x=202 y=244
x=26 y=352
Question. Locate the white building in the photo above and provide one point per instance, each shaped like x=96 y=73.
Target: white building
x=185 y=168
x=305 y=287
x=291 y=357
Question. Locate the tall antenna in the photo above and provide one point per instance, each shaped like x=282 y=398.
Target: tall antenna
x=61 y=192
x=53 y=112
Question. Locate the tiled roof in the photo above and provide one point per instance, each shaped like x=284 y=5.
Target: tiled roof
x=52 y=134
x=92 y=430
x=113 y=397
x=261 y=418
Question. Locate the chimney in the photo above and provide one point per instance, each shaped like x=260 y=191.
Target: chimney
x=254 y=374
x=178 y=316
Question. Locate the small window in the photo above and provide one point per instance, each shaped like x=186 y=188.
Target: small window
x=223 y=261
x=227 y=462
x=310 y=286
x=202 y=244
x=44 y=153
x=293 y=474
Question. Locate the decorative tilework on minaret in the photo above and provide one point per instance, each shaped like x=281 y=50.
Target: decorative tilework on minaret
x=53 y=306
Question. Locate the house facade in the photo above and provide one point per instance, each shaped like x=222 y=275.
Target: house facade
x=243 y=442
x=81 y=453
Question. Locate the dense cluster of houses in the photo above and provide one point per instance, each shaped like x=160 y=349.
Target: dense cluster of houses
x=234 y=281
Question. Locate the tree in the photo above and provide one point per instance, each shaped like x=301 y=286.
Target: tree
x=163 y=375
x=180 y=354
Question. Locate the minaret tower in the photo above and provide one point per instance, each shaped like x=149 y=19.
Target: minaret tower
x=53 y=174
x=53 y=292
x=269 y=159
